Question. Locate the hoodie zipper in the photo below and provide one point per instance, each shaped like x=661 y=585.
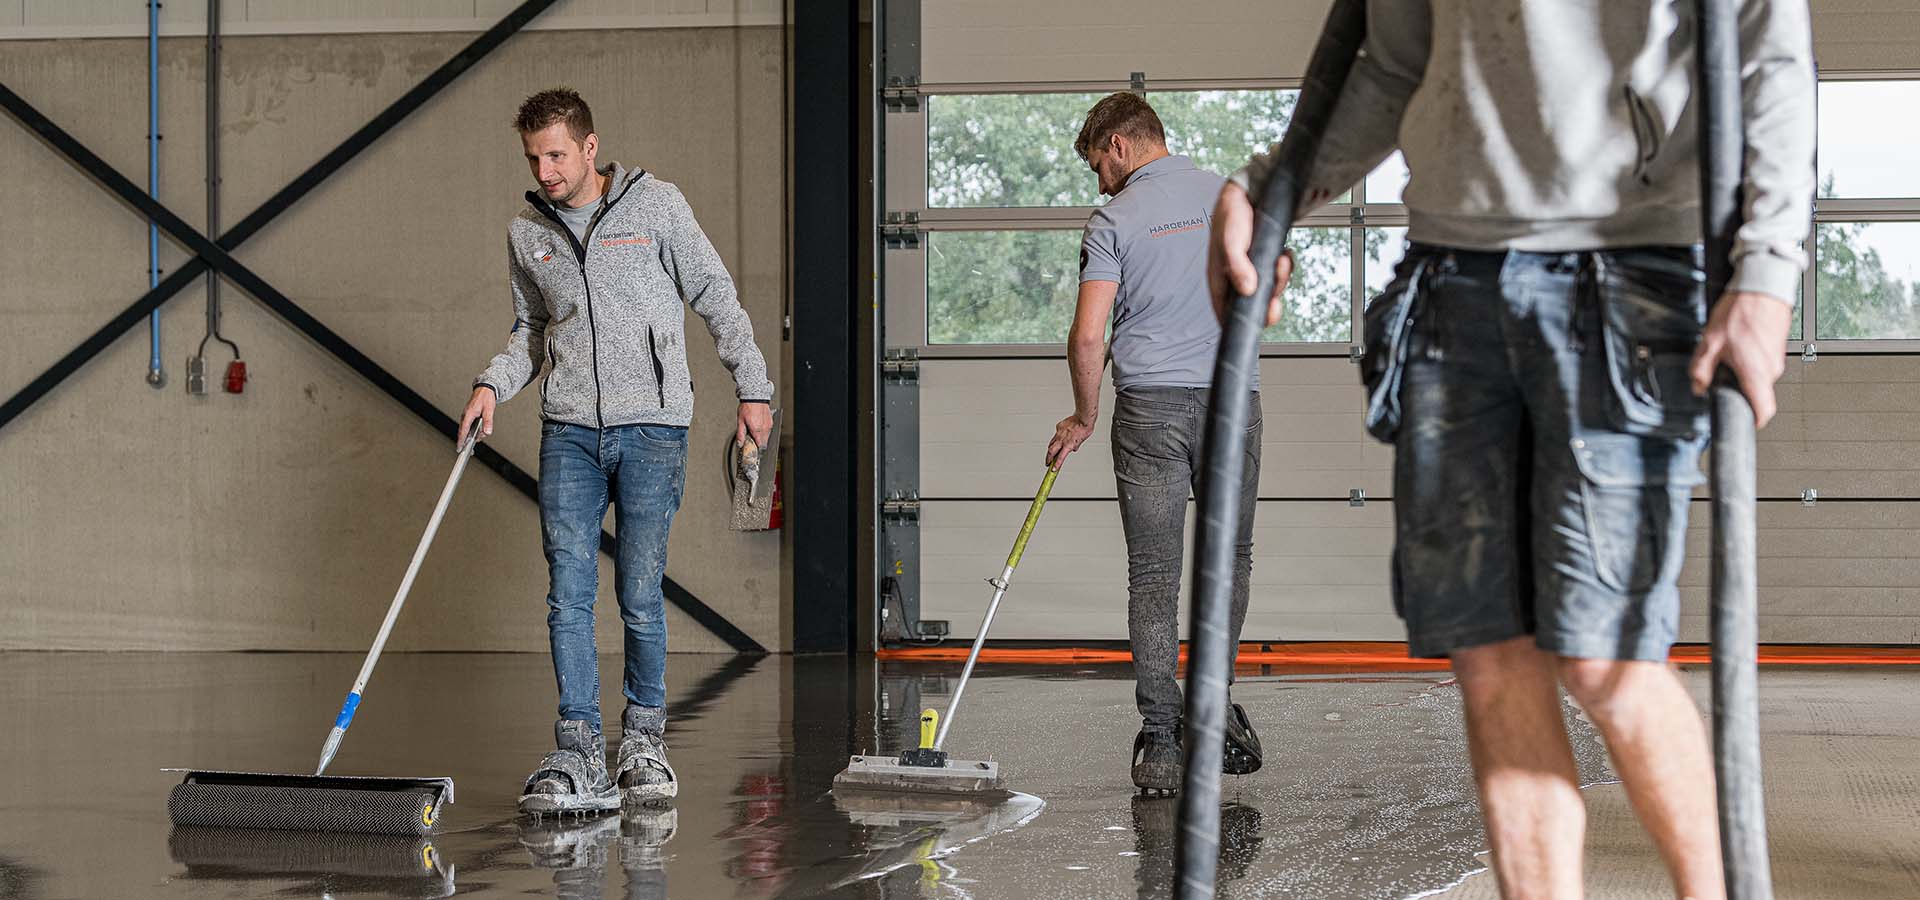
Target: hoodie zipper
x=1646 y=133
x=580 y=253
x=659 y=371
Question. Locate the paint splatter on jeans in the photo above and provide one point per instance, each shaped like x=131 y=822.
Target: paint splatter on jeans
x=1157 y=460
x=641 y=471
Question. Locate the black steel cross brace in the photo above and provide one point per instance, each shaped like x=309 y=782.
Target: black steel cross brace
x=216 y=255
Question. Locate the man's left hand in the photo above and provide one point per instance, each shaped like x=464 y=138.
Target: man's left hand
x=1747 y=333
x=1230 y=271
x=756 y=420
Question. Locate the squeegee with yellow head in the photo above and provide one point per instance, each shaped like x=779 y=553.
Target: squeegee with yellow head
x=927 y=768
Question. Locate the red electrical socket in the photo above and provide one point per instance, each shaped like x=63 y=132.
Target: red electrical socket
x=236 y=377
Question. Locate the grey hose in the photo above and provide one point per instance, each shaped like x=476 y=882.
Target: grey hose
x=1735 y=604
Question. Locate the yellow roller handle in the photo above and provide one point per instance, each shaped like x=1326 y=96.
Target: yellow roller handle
x=929 y=723
x=999 y=590
x=1033 y=518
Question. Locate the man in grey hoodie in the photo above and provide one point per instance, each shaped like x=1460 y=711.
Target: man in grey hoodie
x=599 y=264
x=1551 y=403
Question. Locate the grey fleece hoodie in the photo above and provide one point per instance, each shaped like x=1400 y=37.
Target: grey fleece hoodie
x=604 y=316
x=1570 y=125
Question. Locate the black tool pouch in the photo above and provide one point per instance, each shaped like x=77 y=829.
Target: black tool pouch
x=1388 y=331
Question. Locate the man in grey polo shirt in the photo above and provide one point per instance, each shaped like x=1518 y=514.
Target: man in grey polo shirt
x=1143 y=264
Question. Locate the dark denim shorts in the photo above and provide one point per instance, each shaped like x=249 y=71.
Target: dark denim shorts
x=1548 y=447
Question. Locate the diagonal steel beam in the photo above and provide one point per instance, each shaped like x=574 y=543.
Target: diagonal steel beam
x=279 y=203
x=331 y=341
x=210 y=252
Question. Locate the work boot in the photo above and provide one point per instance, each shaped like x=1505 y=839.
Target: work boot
x=646 y=779
x=1157 y=761
x=1241 y=750
x=573 y=778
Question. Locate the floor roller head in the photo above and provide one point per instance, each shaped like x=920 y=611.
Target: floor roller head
x=309 y=802
x=321 y=802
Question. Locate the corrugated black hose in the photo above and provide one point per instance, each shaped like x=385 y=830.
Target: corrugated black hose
x=1735 y=603
x=1197 y=849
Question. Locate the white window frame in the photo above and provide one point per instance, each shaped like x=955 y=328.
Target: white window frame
x=907 y=189
x=1835 y=211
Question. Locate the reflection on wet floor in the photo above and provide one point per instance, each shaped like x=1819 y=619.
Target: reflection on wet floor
x=577 y=851
x=1366 y=791
x=393 y=865
x=17 y=880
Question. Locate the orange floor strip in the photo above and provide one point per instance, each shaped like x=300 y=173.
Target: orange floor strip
x=1342 y=654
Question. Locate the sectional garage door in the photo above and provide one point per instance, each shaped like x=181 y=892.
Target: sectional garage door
x=985 y=200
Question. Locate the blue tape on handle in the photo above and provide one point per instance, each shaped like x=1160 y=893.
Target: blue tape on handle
x=346 y=711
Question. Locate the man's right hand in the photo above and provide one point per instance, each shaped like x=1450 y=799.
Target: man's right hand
x=1067 y=437
x=1746 y=333
x=1229 y=263
x=480 y=410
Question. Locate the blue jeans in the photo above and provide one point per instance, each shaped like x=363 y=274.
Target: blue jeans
x=641 y=470
x=1549 y=446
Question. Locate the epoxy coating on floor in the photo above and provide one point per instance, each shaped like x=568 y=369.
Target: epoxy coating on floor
x=1366 y=791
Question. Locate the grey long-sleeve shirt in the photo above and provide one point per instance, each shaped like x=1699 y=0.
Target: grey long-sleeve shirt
x=1571 y=125
x=605 y=316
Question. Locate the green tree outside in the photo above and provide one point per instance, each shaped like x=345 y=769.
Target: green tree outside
x=1001 y=287
x=1016 y=150
x=1859 y=299
x=1019 y=287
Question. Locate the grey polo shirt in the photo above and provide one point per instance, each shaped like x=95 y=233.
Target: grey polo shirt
x=1151 y=239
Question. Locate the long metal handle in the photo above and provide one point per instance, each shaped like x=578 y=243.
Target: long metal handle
x=352 y=704
x=1197 y=849
x=999 y=590
x=1734 y=613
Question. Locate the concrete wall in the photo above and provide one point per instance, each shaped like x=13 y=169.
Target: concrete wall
x=284 y=518
x=39 y=19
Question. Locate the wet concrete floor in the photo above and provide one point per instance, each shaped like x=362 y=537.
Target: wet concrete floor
x=1366 y=792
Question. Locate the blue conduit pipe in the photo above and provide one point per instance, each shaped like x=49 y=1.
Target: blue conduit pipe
x=156 y=375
